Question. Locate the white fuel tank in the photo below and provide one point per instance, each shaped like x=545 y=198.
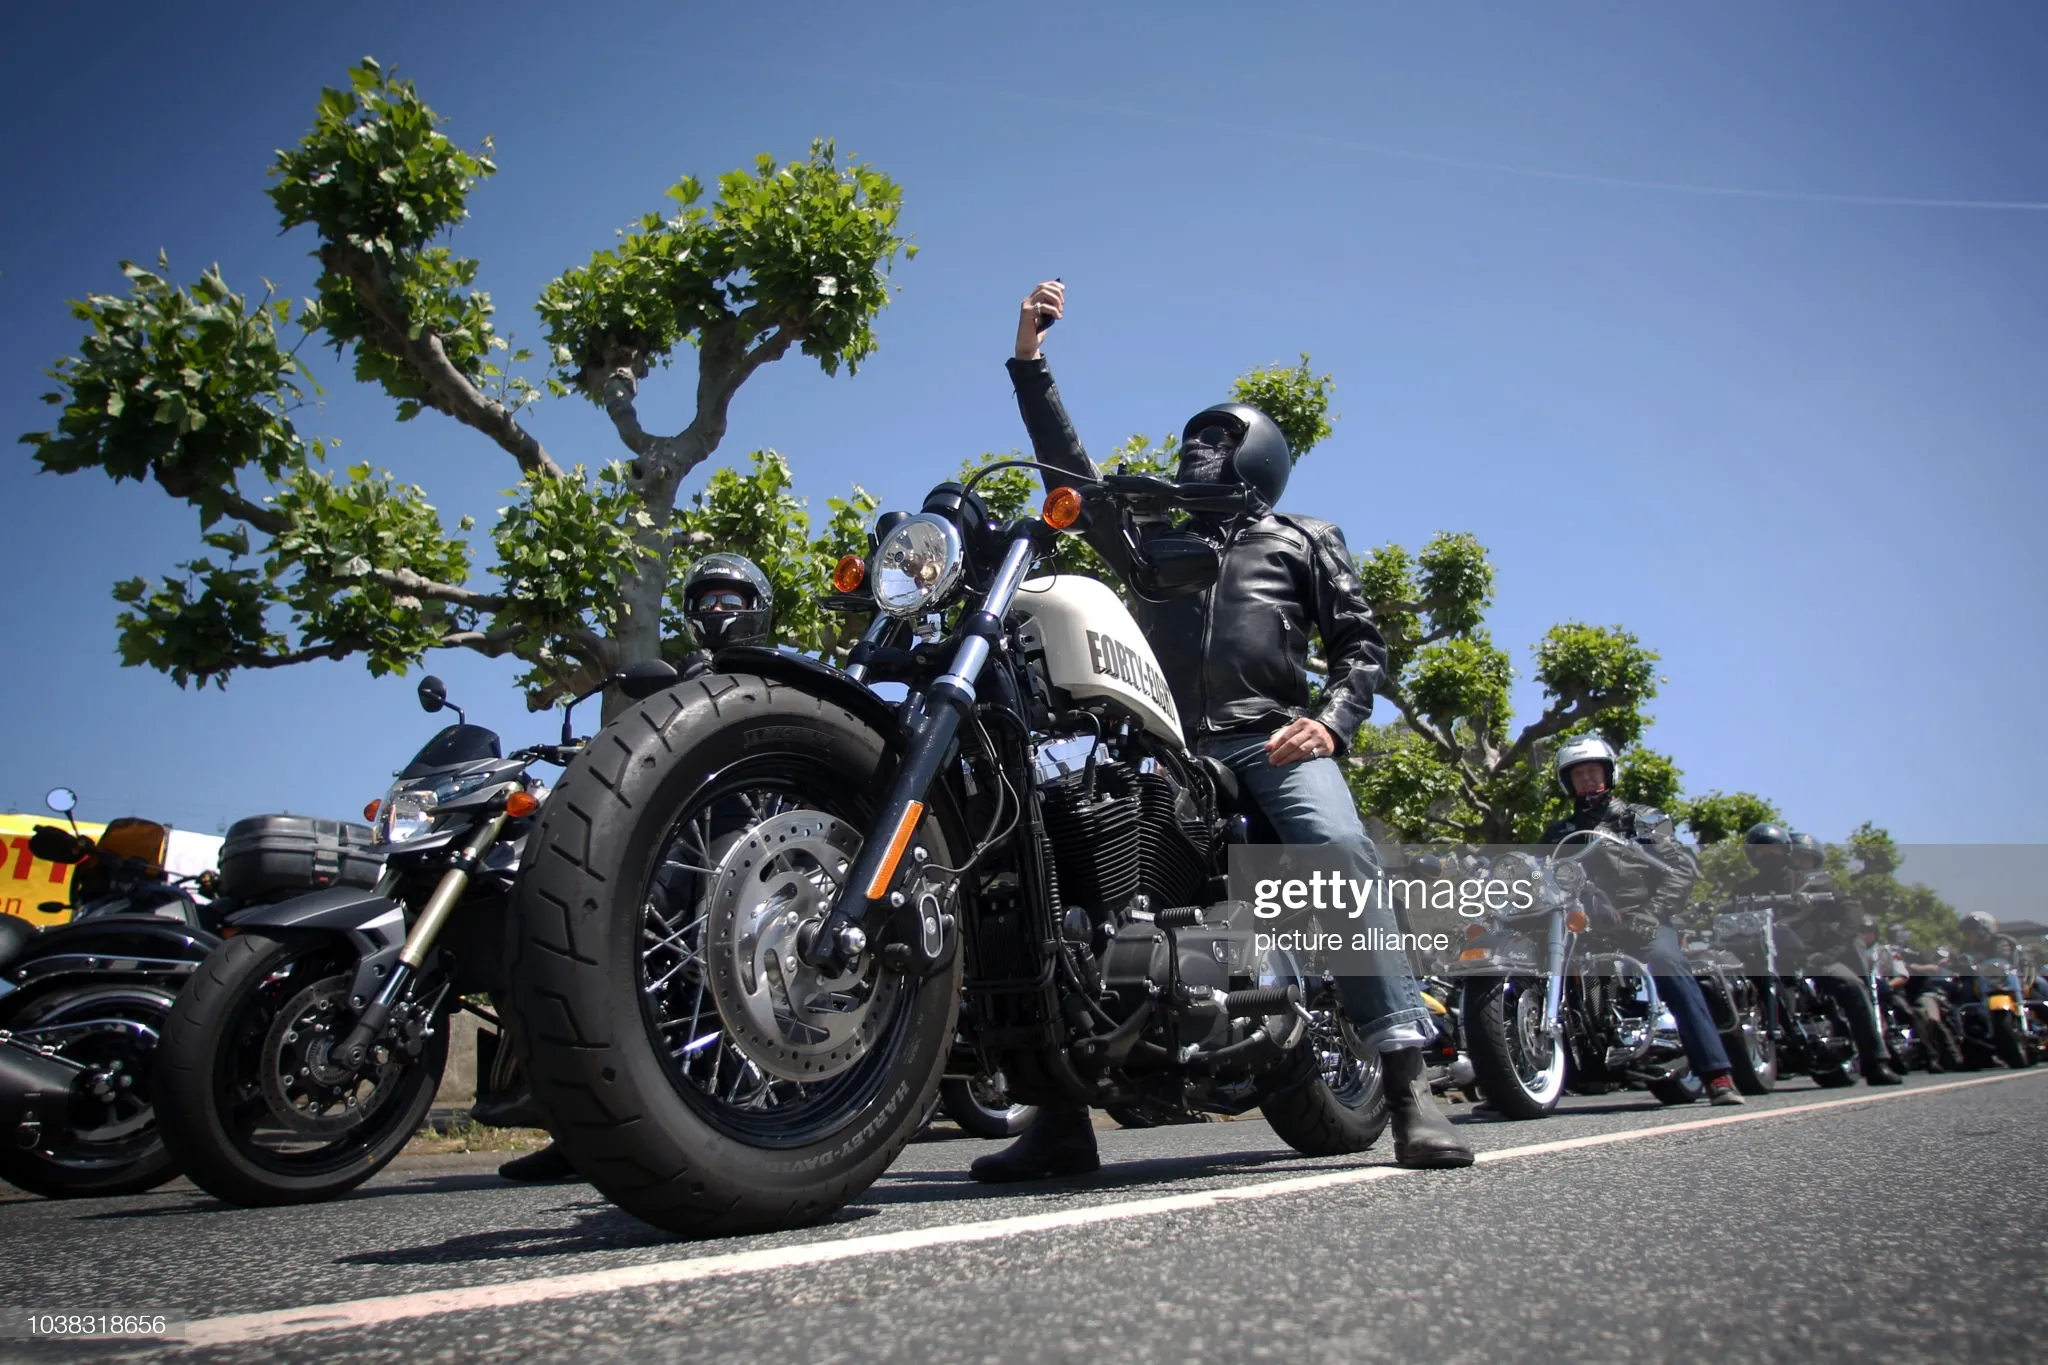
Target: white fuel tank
x=1092 y=648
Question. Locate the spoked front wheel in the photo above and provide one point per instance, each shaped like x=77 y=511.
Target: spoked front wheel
x=697 y=1070
x=1521 y=1069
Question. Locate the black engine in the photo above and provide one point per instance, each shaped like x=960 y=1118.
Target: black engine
x=1119 y=833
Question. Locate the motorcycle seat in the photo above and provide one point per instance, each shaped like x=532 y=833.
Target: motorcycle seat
x=1230 y=797
x=15 y=936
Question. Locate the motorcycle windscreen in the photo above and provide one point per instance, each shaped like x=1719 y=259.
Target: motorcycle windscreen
x=454 y=745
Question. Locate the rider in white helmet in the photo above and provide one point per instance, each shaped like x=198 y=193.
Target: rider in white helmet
x=1644 y=896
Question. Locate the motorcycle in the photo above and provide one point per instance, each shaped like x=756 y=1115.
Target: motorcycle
x=861 y=864
x=305 y=1053
x=1548 y=1004
x=1991 y=1013
x=1806 y=1031
x=83 y=1004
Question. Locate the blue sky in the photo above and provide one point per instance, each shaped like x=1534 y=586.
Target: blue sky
x=1791 y=438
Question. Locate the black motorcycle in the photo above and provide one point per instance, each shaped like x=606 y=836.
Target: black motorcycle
x=755 y=900
x=1807 y=1030
x=83 y=1004
x=304 y=1055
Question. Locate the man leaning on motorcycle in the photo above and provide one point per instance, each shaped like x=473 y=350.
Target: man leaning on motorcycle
x=1235 y=658
x=1645 y=894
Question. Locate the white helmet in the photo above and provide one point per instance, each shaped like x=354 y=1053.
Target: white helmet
x=1984 y=924
x=1584 y=749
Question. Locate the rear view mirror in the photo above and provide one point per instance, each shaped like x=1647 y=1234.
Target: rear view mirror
x=433 y=694
x=643 y=679
x=62 y=800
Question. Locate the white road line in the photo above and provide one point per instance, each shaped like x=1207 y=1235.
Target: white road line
x=358 y=1314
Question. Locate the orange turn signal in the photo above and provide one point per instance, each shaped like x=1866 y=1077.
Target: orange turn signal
x=1576 y=921
x=1062 y=508
x=849 y=573
x=370 y=811
x=520 y=805
x=1472 y=955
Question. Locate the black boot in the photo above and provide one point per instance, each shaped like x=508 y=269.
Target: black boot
x=1060 y=1141
x=1870 y=1048
x=547 y=1164
x=1423 y=1137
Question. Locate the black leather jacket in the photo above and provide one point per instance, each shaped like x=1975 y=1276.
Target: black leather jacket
x=1633 y=884
x=1236 y=655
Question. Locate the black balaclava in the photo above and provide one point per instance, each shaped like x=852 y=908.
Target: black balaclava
x=1200 y=463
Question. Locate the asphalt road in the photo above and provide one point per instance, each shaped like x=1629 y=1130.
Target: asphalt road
x=1870 y=1225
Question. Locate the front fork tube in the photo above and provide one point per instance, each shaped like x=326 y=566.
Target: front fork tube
x=850 y=925
x=418 y=943
x=1553 y=985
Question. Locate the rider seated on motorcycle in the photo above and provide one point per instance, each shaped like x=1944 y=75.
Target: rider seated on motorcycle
x=1234 y=656
x=1644 y=897
x=1978 y=936
x=727 y=600
x=1822 y=923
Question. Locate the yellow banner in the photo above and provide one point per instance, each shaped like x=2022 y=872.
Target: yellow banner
x=27 y=882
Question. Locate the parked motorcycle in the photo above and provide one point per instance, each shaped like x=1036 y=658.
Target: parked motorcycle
x=1548 y=1003
x=305 y=1053
x=1807 y=1032
x=82 y=1005
x=757 y=1065
x=1990 y=1012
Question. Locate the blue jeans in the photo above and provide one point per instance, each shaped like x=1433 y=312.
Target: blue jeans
x=1310 y=803
x=1680 y=989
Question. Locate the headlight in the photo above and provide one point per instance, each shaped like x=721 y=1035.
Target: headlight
x=916 y=565
x=408 y=812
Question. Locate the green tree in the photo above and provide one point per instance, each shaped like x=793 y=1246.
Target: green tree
x=202 y=389
x=1716 y=816
x=1867 y=865
x=1452 y=765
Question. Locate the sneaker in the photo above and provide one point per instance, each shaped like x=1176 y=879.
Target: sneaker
x=1721 y=1090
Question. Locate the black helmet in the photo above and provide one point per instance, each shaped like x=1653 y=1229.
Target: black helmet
x=1806 y=852
x=1767 y=844
x=1236 y=443
x=728 y=601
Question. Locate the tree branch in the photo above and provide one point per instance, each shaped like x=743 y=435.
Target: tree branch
x=1559 y=715
x=413 y=585
x=448 y=389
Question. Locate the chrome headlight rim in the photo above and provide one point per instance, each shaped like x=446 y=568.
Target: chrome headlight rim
x=928 y=597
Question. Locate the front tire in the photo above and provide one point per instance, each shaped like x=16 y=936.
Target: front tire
x=232 y=1058
x=1521 y=1073
x=654 y=1087
x=2009 y=1042
x=1752 y=1052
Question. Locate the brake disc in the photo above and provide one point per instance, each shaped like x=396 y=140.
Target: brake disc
x=301 y=1088
x=774 y=884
